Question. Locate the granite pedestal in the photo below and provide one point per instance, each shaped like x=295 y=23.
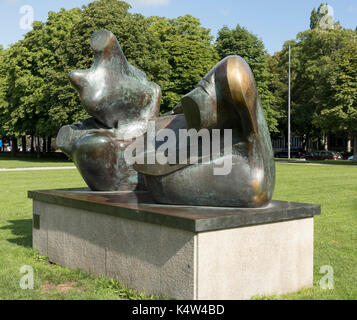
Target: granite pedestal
x=179 y=252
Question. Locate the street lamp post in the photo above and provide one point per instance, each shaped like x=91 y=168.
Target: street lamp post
x=289 y=137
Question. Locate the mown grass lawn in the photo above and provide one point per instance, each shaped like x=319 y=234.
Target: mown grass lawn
x=330 y=162
x=51 y=281
x=334 y=187
x=7 y=162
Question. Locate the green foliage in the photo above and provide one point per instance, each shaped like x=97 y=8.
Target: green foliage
x=36 y=97
x=3 y=89
x=18 y=83
x=317 y=80
x=320 y=12
x=317 y=18
x=174 y=53
x=142 y=48
x=314 y=19
x=55 y=102
x=189 y=54
x=339 y=112
x=323 y=64
x=32 y=66
x=240 y=41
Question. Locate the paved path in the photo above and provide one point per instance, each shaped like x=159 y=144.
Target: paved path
x=37 y=168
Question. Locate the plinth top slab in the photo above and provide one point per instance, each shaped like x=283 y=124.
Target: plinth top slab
x=139 y=205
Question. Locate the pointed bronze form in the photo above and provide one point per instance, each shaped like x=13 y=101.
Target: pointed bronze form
x=121 y=101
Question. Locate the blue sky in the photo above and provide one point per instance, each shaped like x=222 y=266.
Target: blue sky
x=273 y=21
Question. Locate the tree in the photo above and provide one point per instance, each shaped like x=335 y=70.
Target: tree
x=59 y=102
x=314 y=19
x=3 y=88
x=30 y=65
x=279 y=88
x=240 y=41
x=18 y=82
x=140 y=45
x=320 y=74
x=37 y=96
x=338 y=111
x=189 y=53
x=317 y=18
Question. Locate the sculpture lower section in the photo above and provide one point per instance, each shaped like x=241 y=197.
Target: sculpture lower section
x=177 y=252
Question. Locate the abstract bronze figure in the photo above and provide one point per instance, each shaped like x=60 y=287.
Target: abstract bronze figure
x=226 y=98
x=122 y=101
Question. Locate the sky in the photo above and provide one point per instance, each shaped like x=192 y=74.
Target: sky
x=273 y=21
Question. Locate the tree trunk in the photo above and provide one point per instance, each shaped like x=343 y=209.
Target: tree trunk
x=13 y=147
x=38 y=148
x=44 y=144
x=349 y=145
x=355 y=147
x=23 y=143
x=305 y=140
x=49 y=144
x=32 y=144
x=325 y=142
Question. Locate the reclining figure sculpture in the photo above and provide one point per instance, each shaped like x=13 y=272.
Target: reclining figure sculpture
x=123 y=103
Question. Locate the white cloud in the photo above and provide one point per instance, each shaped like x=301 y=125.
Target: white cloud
x=148 y=3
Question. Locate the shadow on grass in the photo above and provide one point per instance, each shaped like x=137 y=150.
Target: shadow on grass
x=22 y=229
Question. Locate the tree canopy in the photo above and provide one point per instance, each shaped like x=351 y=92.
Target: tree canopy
x=240 y=41
x=36 y=97
x=324 y=81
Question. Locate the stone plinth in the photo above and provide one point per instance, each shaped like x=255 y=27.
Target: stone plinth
x=179 y=252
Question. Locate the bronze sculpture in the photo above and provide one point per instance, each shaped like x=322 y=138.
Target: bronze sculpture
x=121 y=100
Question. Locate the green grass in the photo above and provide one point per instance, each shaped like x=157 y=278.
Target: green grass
x=15 y=245
x=335 y=188
x=335 y=162
x=330 y=162
x=7 y=162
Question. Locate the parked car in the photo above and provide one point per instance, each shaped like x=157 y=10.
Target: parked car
x=294 y=153
x=351 y=158
x=324 y=155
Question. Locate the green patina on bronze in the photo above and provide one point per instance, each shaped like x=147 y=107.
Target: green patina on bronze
x=121 y=101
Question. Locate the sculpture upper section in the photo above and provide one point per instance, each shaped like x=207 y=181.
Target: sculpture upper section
x=114 y=92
